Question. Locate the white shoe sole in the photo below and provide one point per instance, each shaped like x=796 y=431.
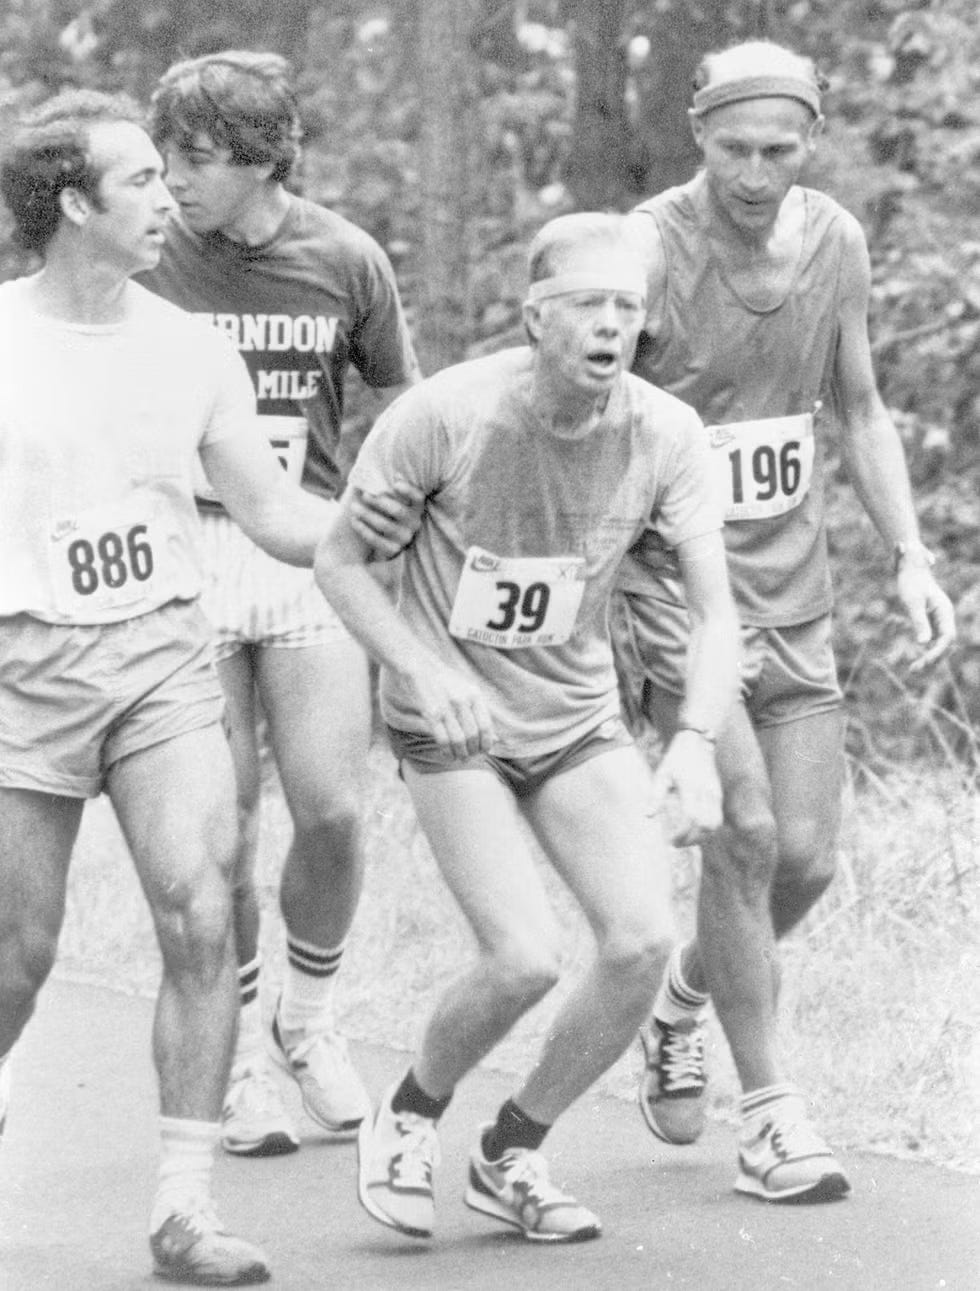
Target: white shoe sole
x=364 y=1192
x=832 y=1186
x=277 y=1144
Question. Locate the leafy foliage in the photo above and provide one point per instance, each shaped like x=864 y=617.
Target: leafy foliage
x=902 y=153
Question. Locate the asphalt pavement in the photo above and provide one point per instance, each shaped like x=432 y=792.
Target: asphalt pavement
x=78 y=1164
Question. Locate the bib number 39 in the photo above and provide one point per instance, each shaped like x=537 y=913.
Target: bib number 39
x=110 y=561
x=517 y=601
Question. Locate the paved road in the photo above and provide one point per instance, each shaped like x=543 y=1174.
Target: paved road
x=77 y=1168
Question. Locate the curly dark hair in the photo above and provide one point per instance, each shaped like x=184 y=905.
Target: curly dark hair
x=49 y=152
x=241 y=100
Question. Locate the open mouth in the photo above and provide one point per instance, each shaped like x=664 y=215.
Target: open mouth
x=602 y=361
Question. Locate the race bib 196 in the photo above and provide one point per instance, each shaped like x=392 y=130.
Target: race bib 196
x=511 y=602
x=106 y=558
x=763 y=468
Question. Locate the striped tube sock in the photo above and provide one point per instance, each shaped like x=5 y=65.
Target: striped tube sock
x=308 y=987
x=758 y=1104
x=249 y=1048
x=186 y=1157
x=675 y=999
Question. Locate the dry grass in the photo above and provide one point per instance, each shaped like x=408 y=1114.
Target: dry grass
x=880 y=1005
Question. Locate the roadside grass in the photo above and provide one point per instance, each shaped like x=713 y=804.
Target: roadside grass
x=880 y=1007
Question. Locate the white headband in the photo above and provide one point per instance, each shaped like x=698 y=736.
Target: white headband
x=740 y=88
x=562 y=284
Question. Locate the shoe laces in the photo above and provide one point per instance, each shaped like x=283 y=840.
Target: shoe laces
x=681 y=1058
x=418 y=1150
x=527 y=1173
x=197 y=1216
x=792 y=1140
x=321 y=1048
x=255 y=1089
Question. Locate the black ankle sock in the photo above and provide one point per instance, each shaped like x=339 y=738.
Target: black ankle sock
x=411 y=1097
x=513 y=1129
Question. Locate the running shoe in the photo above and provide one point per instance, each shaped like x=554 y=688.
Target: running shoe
x=785 y=1160
x=333 y=1093
x=191 y=1246
x=397 y=1153
x=254 y=1122
x=517 y=1190
x=673 y=1087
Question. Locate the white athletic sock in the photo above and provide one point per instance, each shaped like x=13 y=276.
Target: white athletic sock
x=308 y=986
x=759 y=1105
x=249 y=1048
x=676 y=1000
x=186 y=1157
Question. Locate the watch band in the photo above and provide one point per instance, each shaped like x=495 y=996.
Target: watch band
x=917 y=551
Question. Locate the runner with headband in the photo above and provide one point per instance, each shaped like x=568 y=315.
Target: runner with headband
x=541 y=465
x=757 y=316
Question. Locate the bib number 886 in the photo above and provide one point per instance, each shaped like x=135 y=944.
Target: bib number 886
x=110 y=561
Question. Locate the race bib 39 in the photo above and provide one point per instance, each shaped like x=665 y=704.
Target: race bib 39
x=512 y=602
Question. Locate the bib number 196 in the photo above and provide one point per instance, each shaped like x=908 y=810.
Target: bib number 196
x=769 y=474
x=110 y=561
x=763 y=468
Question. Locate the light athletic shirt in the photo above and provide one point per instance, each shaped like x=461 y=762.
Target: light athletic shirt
x=755 y=377
x=99 y=432
x=523 y=533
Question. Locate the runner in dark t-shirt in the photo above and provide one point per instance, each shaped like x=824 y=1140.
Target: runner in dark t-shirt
x=304 y=295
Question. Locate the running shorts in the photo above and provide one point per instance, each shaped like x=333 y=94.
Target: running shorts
x=522 y=775
x=251 y=598
x=74 y=700
x=786 y=673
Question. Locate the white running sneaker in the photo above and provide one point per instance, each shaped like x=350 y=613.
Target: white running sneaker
x=397 y=1153
x=517 y=1190
x=191 y=1246
x=673 y=1087
x=784 y=1159
x=254 y=1122
x=333 y=1093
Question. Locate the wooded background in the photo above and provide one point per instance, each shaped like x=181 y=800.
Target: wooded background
x=451 y=129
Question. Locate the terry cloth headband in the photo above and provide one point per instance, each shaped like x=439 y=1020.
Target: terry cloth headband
x=757 y=87
x=564 y=283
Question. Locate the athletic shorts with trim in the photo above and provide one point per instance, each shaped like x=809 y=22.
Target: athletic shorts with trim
x=74 y=700
x=251 y=598
x=786 y=673
x=524 y=776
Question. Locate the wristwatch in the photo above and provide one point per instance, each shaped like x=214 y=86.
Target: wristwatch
x=915 y=551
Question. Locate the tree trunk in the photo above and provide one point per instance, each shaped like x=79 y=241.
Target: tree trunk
x=680 y=35
x=447 y=81
x=597 y=171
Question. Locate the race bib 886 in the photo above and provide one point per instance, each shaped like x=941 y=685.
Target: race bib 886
x=517 y=601
x=107 y=557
